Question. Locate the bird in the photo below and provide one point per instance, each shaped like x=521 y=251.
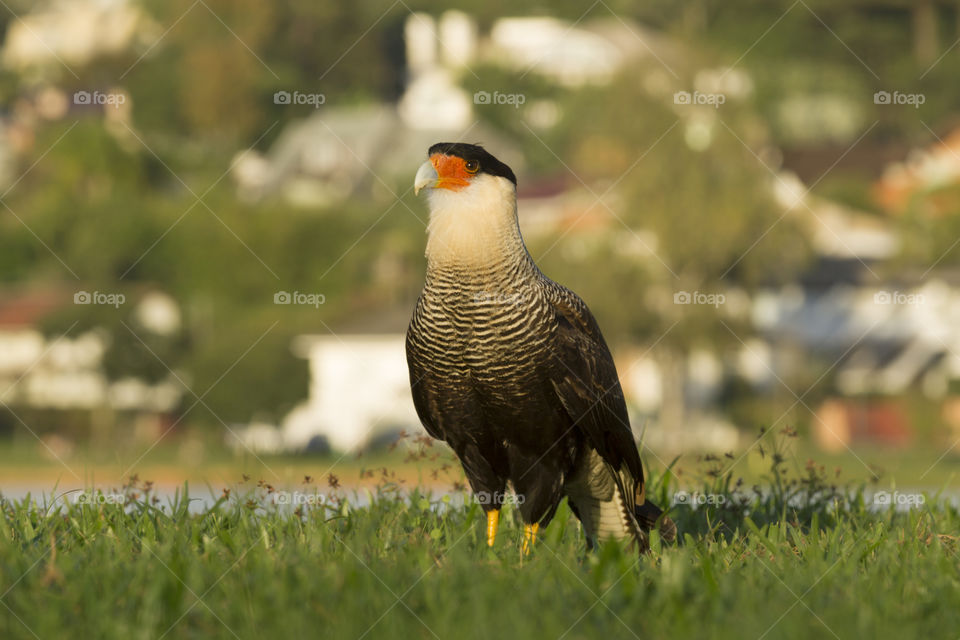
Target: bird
x=510 y=369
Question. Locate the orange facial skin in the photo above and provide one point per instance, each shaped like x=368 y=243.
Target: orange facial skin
x=452 y=171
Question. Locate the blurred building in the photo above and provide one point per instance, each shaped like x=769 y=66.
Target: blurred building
x=74 y=32
x=593 y=51
x=359 y=392
x=41 y=373
x=926 y=179
x=66 y=372
x=346 y=152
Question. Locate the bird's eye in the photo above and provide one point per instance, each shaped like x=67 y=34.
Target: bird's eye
x=472 y=166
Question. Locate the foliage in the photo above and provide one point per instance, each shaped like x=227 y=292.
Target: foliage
x=115 y=219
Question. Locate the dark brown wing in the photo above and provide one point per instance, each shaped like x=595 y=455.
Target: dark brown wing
x=589 y=390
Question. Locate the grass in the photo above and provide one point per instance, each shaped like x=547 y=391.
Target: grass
x=794 y=558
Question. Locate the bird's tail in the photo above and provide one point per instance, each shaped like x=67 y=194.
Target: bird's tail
x=650 y=515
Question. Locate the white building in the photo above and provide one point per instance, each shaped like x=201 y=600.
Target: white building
x=74 y=32
x=66 y=372
x=359 y=392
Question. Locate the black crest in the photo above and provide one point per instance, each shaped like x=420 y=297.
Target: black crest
x=488 y=164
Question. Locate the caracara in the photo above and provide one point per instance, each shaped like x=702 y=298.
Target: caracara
x=510 y=368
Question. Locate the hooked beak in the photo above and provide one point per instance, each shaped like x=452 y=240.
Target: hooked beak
x=427 y=176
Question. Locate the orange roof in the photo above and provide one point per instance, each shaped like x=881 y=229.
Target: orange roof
x=28 y=308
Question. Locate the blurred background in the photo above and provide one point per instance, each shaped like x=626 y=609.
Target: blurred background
x=210 y=249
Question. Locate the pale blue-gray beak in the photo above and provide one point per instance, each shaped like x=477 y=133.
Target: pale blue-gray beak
x=427 y=176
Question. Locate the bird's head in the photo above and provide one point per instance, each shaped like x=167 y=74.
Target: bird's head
x=472 y=198
x=462 y=168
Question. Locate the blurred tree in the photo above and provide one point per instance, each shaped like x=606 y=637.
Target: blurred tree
x=119 y=216
x=121 y=223
x=207 y=74
x=691 y=212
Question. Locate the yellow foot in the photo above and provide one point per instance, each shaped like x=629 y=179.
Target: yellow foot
x=529 y=536
x=493 y=519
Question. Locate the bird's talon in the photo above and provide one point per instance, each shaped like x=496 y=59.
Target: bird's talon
x=493 y=519
x=529 y=536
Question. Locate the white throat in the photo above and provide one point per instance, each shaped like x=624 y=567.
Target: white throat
x=476 y=225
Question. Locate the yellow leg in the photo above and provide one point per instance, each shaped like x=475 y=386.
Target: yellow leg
x=529 y=536
x=493 y=519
